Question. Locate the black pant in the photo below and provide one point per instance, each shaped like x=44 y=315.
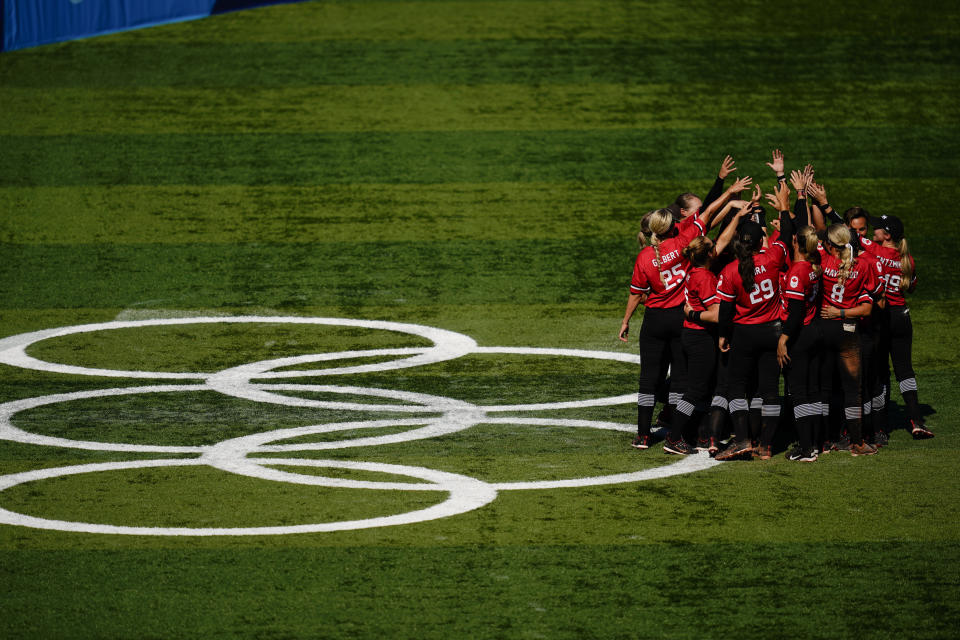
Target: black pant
x=896 y=344
x=700 y=362
x=753 y=349
x=659 y=339
x=803 y=382
x=841 y=354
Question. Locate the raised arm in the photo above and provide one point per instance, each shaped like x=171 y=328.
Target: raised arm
x=726 y=168
x=780 y=200
x=819 y=193
x=726 y=237
x=739 y=185
x=777 y=165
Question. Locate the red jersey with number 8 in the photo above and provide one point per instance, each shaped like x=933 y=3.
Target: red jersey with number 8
x=855 y=290
x=762 y=303
x=665 y=290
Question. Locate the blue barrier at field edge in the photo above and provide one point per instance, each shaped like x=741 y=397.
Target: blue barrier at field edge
x=28 y=23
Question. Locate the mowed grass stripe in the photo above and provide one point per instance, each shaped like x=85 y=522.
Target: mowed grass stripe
x=486 y=107
x=401 y=212
x=360 y=278
x=431 y=20
x=748 y=61
x=435 y=157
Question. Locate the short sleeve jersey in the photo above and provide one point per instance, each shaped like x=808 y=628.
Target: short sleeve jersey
x=667 y=290
x=888 y=260
x=801 y=283
x=855 y=290
x=762 y=302
x=700 y=292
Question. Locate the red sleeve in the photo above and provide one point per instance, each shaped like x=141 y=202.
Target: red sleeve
x=726 y=285
x=639 y=283
x=691 y=231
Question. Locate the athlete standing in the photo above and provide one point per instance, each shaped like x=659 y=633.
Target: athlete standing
x=658 y=277
x=749 y=291
x=898 y=271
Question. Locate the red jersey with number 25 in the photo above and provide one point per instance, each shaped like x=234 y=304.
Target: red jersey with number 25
x=762 y=303
x=667 y=291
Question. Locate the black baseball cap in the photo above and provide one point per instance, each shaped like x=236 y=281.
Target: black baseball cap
x=890 y=224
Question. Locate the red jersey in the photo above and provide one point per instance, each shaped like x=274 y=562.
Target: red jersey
x=700 y=292
x=888 y=260
x=855 y=290
x=802 y=283
x=762 y=303
x=667 y=291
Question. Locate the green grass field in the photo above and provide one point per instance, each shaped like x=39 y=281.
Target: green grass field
x=480 y=168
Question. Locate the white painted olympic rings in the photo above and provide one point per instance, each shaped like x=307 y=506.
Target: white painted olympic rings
x=438 y=416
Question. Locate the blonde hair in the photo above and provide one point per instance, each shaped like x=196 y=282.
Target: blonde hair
x=698 y=251
x=839 y=236
x=660 y=222
x=906 y=263
x=807 y=241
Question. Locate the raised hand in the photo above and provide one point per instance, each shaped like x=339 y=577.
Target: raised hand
x=780 y=198
x=799 y=180
x=757 y=194
x=818 y=192
x=741 y=184
x=777 y=164
x=726 y=168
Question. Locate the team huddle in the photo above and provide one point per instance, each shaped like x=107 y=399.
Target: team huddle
x=815 y=299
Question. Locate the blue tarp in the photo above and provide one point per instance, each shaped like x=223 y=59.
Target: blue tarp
x=28 y=23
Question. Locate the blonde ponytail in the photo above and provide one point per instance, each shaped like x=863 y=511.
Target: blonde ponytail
x=839 y=236
x=660 y=222
x=906 y=263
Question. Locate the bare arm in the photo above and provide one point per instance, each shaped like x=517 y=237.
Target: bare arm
x=859 y=311
x=739 y=185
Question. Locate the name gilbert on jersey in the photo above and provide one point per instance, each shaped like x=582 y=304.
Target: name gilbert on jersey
x=667 y=257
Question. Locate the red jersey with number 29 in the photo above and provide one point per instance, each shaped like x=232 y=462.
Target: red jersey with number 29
x=762 y=303
x=667 y=291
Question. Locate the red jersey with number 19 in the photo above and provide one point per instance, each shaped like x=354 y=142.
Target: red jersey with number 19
x=762 y=303
x=892 y=274
x=666 y=291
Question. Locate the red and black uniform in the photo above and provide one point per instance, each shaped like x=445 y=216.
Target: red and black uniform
x=662 y=280
x=872 y=387
x=799 y=307
x=895 y=339
x=750 y=319
x=841 y=337
x=699 y=341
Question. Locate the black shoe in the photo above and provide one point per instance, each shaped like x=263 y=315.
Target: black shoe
x=843 y=444
x=802 y=455
x=641 y=442
x=919 y=431
x=735 y=449
x=680 y=448
x=881 y=439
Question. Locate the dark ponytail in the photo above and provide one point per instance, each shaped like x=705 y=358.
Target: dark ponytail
x=748 y=241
